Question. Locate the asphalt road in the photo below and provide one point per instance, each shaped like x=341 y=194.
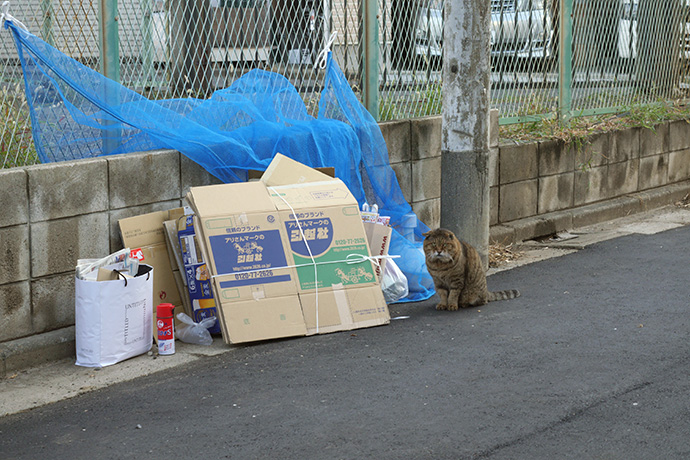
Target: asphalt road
x=591 y=362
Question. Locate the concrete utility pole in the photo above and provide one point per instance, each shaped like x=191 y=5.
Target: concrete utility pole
x=465 y=142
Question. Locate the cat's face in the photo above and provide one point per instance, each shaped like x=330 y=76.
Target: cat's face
x=440 y=246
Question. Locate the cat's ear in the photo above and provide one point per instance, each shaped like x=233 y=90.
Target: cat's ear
x=426 y=233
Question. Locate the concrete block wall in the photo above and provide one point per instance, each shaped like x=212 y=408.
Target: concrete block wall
x=54 y=214
x=57 y=213
x=529 y=181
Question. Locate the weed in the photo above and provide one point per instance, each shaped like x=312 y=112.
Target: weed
x=16 y=143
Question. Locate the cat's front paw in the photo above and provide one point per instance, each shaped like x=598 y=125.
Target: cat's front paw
x=452 y=307
x=442 y=306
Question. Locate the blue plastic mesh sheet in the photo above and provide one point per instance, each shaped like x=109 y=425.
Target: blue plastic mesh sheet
x=78 y=113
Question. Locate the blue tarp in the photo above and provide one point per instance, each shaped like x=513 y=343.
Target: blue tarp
x=78 y=113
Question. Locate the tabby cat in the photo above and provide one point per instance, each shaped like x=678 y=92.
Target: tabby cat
x=457 y=271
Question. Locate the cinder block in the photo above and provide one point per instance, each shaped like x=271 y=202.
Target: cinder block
x=654 y=141
x=15 y=308
x=493 y=166
x=493 y=205
x=141 y=178
x=67 y=189
x=591 y=184
x=518 y=162
x=555 y=192
x=403 y=172
x=595 y=150
x=426 y=175
x=679 y=165
x=556 y=157
x=425 y=137
x=623 y=177
x=194 y=175
x=429 y=212
x=627 y=142
x=14 y=198
x=679 y=135
x=14 y=247
x=115 y=239
x=52 y=302
x=653 y=171
x=398 y=140
x=57 y=244
x=517 y=200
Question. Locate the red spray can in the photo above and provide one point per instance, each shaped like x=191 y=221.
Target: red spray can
x=166 y=330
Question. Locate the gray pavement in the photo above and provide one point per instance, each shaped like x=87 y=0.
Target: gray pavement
x=590 y=362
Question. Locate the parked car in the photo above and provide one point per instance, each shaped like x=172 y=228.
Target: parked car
x=627 y=31
x=520 y=29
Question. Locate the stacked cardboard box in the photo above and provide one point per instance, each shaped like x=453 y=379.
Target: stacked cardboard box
x=288 y=255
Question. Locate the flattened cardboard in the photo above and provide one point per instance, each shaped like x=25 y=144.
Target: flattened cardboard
x=146 y=232
x=286 y=171
x=379 y=239
x=263 y=319
x=248 y=260
x=270 y=297
x=344 y=309
x=196 y=273
x=175 y=256
x=333 y=235
x=226 y=200
x=254 y=174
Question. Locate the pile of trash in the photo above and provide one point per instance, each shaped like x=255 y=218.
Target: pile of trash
x=295 y=257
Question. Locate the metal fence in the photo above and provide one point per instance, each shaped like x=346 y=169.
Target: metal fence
x=549 y=57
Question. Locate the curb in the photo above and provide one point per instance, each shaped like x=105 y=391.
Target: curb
x=32 y=351
x=35 y=350
x=547 y=224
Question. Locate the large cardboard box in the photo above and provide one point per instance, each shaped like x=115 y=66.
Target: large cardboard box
x=145 y=236
x=288 y=255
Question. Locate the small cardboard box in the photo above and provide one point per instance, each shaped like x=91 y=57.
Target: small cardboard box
x=267 y=281
x=145 y=236
x=379 y=238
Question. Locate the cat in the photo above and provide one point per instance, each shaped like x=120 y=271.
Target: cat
x=457 y=271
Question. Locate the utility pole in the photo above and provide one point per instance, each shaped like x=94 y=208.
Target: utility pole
x=465 y=141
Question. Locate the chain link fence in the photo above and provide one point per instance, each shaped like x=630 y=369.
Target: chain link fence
x=549 y=57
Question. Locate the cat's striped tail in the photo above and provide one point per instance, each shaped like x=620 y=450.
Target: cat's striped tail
x=503 y=295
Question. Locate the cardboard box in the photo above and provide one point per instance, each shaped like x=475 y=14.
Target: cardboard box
x=379 y=238
x=196 y=274
x=265 y=280
x=254 y=174
x=175 y=256
x=145 y=236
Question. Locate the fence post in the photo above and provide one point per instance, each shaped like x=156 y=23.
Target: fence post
x=109 y=41
x=48 y=18
x=565 y=59
x=370 y=57
x=147 y=42
x=465 y=122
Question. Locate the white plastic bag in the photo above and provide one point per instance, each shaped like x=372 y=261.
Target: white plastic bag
x=393 y=282
x=196 y=333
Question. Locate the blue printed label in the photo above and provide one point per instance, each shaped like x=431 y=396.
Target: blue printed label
x=249 y=257
x=318 y=234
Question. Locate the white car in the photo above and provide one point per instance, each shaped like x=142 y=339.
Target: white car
x=627 y=31
x=520 y=29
